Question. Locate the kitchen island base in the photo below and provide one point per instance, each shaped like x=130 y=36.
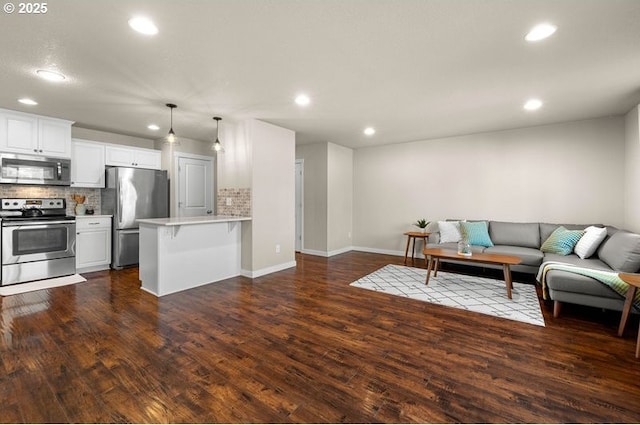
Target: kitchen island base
x=179 y=254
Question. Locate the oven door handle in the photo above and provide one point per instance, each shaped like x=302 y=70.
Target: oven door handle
x=37 y=224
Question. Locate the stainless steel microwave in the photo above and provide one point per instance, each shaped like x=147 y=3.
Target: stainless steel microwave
x=28 y=169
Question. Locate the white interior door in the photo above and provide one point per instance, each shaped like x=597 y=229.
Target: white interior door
x=299 y=204
x=195 y=186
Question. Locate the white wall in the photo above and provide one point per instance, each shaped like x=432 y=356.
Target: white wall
x=564 y=173
x=340 y=198
x=273 y=199
x=315 y=196
x=107 y=137
x=632 y=170
x=234 y=165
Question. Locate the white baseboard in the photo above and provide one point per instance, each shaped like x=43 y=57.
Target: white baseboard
x=359 y=248
x=385 y=251
x=315 y=252
x=327 y=253
x=267 y=270
x=378 y=251
x=340 y=251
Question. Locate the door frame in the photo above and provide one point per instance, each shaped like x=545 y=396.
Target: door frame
x=300 y=162
x=176 y=179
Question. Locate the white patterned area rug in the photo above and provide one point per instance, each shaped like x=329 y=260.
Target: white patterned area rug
x=479 y=294
x=21 y=288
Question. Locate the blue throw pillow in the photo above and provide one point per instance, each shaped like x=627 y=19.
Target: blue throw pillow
x=562 y=241
x=476 y=233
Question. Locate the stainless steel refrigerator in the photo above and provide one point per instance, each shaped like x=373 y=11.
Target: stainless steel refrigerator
x=131 y=194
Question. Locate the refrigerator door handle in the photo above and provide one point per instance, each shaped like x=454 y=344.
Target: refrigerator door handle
x=128 y=231
x=119 y=202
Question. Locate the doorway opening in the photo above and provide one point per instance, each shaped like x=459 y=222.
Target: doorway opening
x=299 y=204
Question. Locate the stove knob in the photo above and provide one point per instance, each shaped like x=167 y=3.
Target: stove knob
x=15 y=203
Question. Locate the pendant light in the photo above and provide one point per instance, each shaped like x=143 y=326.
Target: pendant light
x=217 y=146
x=171 y=137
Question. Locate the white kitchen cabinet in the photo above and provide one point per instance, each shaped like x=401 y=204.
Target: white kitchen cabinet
x=18 y=132
x=34 y=135
x=122 y=156
x=87 y=163
x=148 y=158
x=93 y=243
x=54 y=137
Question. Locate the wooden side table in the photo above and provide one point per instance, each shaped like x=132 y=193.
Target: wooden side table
x=412 y=236
x=634 y=283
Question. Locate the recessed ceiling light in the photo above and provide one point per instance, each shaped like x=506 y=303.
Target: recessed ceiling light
x=369 y=131
x=50 y=75
x=532 y=104
x=153 y=127
x=540 y=32
x=143 y=25
x=303 y=100
x=27 y=101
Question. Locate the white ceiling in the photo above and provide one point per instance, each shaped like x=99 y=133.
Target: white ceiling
x=414 y=70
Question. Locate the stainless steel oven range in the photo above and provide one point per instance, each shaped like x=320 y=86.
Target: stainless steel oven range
x=38 y=240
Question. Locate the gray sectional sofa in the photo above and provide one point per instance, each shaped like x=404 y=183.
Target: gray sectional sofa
x=620 y=252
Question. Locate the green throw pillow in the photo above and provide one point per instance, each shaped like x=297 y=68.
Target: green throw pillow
x=562 y=241
x=476 y=233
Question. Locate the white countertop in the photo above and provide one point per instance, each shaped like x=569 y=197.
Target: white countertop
x=93 y=216
x=179 y=221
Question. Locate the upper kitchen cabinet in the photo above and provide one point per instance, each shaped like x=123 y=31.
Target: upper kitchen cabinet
x=34 y=135
x=122 y=156
x=87 y=163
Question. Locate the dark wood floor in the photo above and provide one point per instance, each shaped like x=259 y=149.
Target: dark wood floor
x=302 y=346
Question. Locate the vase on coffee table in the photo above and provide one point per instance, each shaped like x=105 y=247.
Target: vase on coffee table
x=464 y=248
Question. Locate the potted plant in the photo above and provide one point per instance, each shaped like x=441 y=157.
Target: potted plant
x=422 y=224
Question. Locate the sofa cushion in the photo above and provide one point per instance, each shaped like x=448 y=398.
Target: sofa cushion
x=476 y=233
x=449 y=231
x=560 y=280
x=530 y=256
x=562 y=241
x=546 y=229
x=515 y=234
x=621 y=252
x=573 y=259
x=590 y=241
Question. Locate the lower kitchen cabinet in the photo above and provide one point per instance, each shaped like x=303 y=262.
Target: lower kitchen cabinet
x=93 y=243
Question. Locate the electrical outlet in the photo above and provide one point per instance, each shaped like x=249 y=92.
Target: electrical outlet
x=278 y=249
x=349 y=235
x=229 y=202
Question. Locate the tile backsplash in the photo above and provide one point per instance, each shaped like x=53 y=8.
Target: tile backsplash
x=32 y=191
x=239 y=200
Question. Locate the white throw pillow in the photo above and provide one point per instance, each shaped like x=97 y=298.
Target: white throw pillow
x=590 y=241
x=449 y=231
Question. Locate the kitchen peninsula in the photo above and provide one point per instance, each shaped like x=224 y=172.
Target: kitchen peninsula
x=179 y=253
